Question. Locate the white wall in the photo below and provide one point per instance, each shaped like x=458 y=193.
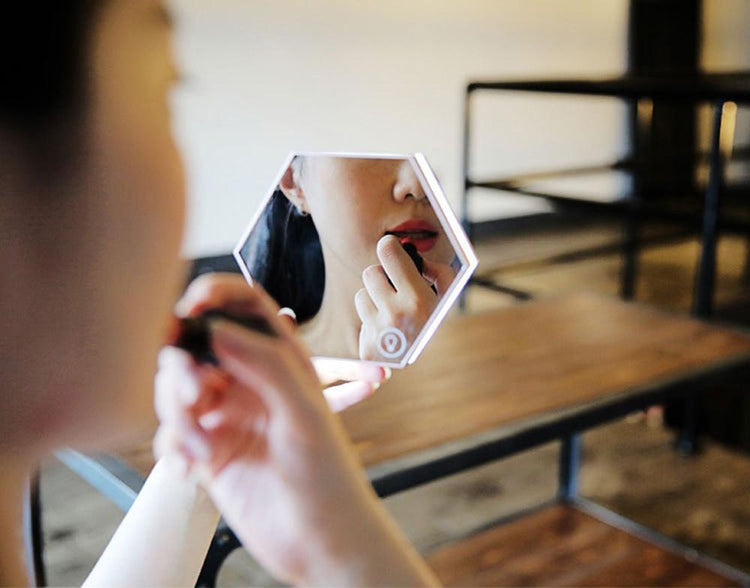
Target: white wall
x=269 y=76
x=726 y=35
x=726 y=47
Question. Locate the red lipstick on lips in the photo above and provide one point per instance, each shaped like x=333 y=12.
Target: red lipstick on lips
x=422 y=234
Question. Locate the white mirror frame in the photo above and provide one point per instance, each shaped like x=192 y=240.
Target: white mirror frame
x=446 y=216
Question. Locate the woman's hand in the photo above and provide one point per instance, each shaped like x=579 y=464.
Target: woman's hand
x=345 y=382
x=260 y=437
x=348 y=382
x=397 y=297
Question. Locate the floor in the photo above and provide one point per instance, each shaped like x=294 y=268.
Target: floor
x=629 y=466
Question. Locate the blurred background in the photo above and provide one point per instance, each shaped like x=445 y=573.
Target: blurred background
x=267 y=77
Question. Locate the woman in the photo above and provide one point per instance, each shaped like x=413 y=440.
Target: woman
x=336 y=225
x=91 y=212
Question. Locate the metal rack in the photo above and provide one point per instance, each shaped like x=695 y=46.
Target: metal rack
x=695 y=211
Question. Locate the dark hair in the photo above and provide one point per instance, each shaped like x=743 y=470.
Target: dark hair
x=284 y=255
x=44 y=53
x=45 y=68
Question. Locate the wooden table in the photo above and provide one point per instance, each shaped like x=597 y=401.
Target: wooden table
x=500 y=382
x=561 y=545
x=495 y=383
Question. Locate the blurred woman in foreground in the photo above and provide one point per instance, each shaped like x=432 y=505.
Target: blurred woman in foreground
x=91 y=215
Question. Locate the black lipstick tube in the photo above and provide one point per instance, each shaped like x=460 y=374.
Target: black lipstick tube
x=193 y=334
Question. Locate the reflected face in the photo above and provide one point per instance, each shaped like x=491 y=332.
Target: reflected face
x=362 y=250
x=356 y=201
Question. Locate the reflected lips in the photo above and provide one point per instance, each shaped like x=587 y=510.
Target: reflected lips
x=422 y=234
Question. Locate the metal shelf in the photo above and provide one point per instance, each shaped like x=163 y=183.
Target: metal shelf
x=696 y=207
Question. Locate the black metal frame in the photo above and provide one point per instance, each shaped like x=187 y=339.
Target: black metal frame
x=569 y=467
x=33 y=533
x=716 y=89
x=223 y=543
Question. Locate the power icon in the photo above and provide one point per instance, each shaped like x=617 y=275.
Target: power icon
x=391 y=343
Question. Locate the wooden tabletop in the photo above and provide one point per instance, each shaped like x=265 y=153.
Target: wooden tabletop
x=563 y=546
x=488 y=370
x=494 y=370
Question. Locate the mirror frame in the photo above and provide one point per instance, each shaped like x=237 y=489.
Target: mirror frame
x=443 y=211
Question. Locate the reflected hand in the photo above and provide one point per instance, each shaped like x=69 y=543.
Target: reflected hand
x=397 y=296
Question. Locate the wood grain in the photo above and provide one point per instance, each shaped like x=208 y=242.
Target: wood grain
x=561 y=546
x=487 y=370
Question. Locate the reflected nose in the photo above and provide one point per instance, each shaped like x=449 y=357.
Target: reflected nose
x=407 y=184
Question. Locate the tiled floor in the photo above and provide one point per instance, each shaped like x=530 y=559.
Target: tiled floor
x=629 y=466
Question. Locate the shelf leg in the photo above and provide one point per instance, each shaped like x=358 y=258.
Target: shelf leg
x=721 y=145
x=570 y=464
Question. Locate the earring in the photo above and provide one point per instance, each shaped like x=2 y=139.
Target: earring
x=301 y=211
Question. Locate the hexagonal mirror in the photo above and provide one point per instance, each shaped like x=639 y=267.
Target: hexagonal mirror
x=363 y=249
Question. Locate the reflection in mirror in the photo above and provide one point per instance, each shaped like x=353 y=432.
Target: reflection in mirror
x=364 y=250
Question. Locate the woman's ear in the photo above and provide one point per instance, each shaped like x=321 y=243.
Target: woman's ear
x=292 y=189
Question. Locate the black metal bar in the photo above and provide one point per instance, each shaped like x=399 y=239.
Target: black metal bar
x=683 y=88
x=706 y=276
x=452 y=460
x=588 y=252
x=465 y=163
x=630 y=257
x=509 y=182
x=687 y=436
x=616 y=208
x=33 y=533
x=223 y=543
x=618 y=521
x=464 y=212
x=629 y=164
x=494 y=286
x=641 y=117
x=570 y=464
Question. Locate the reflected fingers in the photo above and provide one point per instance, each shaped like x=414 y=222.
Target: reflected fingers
x=399 y=266
x=376 y=283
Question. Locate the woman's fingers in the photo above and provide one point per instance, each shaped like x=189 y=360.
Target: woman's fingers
x=288 y=315
x=183 y=386
x=376 y=283
x=366 y=309
x=215 y=433
x=217 y=290
x=360 y=380
x=399 y=266
x=345 y=395
x=338 y=370
x=440 y=274
x=231 y=292
x=176 y=383
x=266 y=365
